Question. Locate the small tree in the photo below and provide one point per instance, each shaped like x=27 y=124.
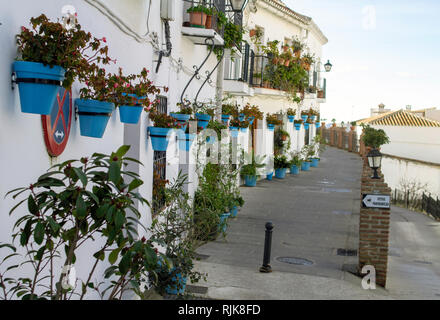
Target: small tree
x=374 y=138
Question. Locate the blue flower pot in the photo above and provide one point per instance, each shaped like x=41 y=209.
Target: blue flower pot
x=234 y=211
x=182 y=119
x=294 y=169
x=304 y=118
x=269 y=176
x=241 y=117
x=243 y=130
x=179 y=286
x=186 y=141
x=313 y=118
x=291 y=118
x=203 y=119
x=250 y=181
x=234 y=132
x=251 y=120
x=223 y=221
x=37 y=97
x=280 y=173
x=306 y=126
x=297 y=126
x=93 y=116
x=130 y=114
x=317 y=125
x=159 y=138
x=271 y=127
x=225 y=118
x=305 y=166
x=314 y=163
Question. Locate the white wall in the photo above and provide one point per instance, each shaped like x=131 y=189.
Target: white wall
x=124 y=24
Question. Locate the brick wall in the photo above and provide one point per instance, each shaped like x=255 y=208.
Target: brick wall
x=374 y=226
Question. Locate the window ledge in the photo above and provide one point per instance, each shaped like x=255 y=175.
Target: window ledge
x=198 y=35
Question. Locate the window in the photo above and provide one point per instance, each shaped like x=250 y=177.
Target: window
x=159 y=167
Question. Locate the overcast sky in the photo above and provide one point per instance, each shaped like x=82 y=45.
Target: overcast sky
x=382 y=51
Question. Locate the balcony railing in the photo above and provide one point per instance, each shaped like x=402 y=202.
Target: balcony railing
x=202 y=19
x=238 y=65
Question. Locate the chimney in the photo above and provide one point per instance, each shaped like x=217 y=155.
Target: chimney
x=408 y=107
x=381 y=106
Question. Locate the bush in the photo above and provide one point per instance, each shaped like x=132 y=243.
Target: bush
x=374 y=138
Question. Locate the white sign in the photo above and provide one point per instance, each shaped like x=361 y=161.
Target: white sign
x=376 y=201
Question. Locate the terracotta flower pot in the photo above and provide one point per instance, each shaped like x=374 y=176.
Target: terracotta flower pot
x=198 y=19
x=252 y=33
x=208 y=24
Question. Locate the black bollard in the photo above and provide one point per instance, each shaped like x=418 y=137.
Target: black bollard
x=266 y=268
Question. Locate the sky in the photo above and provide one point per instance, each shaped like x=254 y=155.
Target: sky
x=382 y=51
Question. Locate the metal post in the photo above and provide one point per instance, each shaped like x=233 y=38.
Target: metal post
x=266 y=268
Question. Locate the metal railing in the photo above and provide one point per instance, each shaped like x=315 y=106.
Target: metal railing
x=202 y=20
x=418 y=202
x=238 y=66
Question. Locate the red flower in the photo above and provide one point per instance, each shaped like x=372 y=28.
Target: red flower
x=104 y=39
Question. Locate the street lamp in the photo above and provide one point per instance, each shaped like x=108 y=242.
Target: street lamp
x=328 y=66
x=238 y=5
x=374 y=161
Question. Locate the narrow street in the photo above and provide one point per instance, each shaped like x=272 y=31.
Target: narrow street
x=316 y=214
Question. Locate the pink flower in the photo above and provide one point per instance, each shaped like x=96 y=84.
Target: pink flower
x=23 y=29
x=127 y=85
x=115 y=85
x=104 y=39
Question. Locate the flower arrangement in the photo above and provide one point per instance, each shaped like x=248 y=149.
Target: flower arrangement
x=162 y=120
x=313 y=112
x=51 y=44
x=244 y=124
x=235 y=123
x=291 y=112
x=299 y=121
x=252 y=111
x=230 y=109
x=101 y=86
x=184 y=108
x=273 y=119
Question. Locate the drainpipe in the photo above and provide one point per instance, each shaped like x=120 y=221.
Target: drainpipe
x=169 y=46
x=219 y=90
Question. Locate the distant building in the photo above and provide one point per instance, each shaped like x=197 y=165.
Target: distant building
x=380 y=110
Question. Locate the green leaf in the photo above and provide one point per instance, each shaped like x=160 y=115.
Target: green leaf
x=114 y=172
x=119 y=219
x=39 y=233
x=53 y=225
x=110 y=213
x=134 y=184
x=81 y=209
x=99 y=255
x=102 y=211
x=124 y=264
x=122 y=151
x=81 y=175
x=40 y=253
x=114 y=256
x=32 y=206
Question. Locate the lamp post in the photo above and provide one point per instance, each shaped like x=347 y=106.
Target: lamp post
x=374 y=161
x=328 y=66
x=238 y=5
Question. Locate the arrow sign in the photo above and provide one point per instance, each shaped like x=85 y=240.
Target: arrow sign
x=376 y=201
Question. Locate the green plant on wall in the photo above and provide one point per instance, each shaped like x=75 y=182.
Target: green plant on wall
x=374 y=138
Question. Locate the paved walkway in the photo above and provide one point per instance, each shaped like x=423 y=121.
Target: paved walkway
x=315 y=214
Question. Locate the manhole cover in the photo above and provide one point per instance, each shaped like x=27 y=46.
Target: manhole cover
x=196 y=289
x=297 y=261
x=346 y=252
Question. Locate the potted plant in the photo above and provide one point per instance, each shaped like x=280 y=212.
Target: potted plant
x=51 y=55
x=281 y=164
x=228 y=110
x=287 y=58
x=353 y=125
x=252 y=112
x=304 y=115
x=313 y=114
x=186 y=139
x=374 y=138
x=160 y=132
x=204 y=114
x=250 y=171
x=198 y=16
x=272 y=121
x=96 y=101
x=244 y=125
x=209 y=15
x=183 y=115
x=133 y=98
x=295 y=163
x=307 y=152
x=234 y=126
x=291 y=113
x=297 y=124
x=297 y=46
x=307 y=60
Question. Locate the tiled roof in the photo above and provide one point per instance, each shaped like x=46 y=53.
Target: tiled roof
x=400 y=118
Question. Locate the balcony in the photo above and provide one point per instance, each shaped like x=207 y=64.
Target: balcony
x=237 y=72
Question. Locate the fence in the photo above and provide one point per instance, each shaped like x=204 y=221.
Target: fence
x=422 y=203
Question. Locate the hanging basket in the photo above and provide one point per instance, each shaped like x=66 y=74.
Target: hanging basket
x=159 y=138
x=271 y=127
x=225 y=118
x=304 y=117
x=130 y=114
x=182 y=119
x=203 y=119
x=297 y=126
x=291 y=118
x=38 y=86
x=93 y=116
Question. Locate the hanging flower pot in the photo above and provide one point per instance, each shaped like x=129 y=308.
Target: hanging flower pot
x=243 y=130
x=305 y=166
x=294 y=169
x=269 y=176
x=234 y=132
x=225 y=118
x=297 y=126
x=313 y=118
x=280 y=173
x=251 y=120
x=130 y=114
x=203 y=119
x=241 y=117
x=306 y=126
x=250 y=181
x=271 y=126
x=291 y=118
x=182 y=119
x=185 y=141
x=223 y=221
x=93 y=116
x=159 y=138
x=304 y=117
x=317 y=125
x=38 y=86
